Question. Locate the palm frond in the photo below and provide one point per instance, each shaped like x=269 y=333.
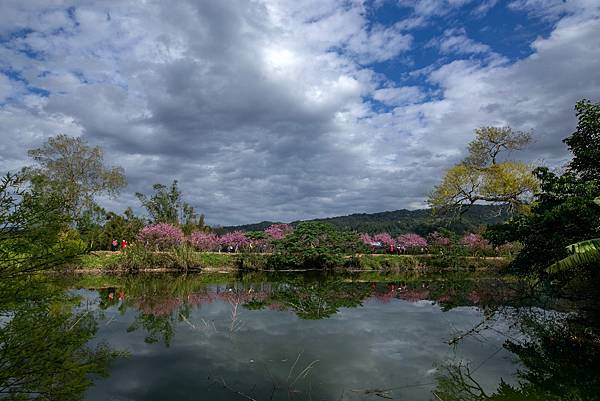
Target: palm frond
x=582 y=253
x=574 y=261
x=585 y=246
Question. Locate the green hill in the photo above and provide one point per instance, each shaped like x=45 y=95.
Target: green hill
x=401 y=221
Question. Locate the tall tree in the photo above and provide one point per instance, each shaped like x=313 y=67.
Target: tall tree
x=76 y=170
x=584 y=143
x=482 y=177
x=163 y=206
x=167 y=206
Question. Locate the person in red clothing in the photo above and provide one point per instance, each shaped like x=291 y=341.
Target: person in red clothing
x=392 y=249
x=123 y=244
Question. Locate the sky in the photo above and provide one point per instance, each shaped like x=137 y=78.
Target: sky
x=292 y=109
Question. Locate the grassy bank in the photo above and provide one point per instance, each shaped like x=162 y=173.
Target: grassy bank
x=208 y=261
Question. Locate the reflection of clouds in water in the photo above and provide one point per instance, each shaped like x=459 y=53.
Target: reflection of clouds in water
x=378 y=345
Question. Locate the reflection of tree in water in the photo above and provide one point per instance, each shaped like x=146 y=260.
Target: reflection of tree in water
x=560 y=358
x=319 y=299
x=163 y=301
x=43 y=348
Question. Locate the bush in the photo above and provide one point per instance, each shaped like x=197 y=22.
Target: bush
x=184 y=257
x=137 y=257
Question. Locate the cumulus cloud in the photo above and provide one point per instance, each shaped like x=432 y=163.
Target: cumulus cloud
x=273 y=109
x=456 y=41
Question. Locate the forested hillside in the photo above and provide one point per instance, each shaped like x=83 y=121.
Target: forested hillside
x=401 y=221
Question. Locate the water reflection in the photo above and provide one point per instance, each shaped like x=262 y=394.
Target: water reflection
x=559 y=361
x=44 y=350
x=299 y=336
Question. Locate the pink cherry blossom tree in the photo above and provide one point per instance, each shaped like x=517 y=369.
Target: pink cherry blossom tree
x=235 y=240
x=160 y=236
x=278 y=231
x=437 y=239
x=204 y=241
x=411 y=242
x=366 y=239
x=475 y=242
x=384 y=238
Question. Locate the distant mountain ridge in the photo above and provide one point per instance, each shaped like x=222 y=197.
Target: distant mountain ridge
x=420 y=221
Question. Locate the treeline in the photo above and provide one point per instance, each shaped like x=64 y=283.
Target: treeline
x=397 y=222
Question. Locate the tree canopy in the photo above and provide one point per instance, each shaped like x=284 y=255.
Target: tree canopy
x=76 y=170
x=166 y=205
x=481 y=177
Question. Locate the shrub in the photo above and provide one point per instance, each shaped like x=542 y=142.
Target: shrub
x=136 y=257
x=160 y=236
x=184 y=257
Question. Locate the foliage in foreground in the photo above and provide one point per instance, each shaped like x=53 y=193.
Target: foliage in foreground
x=564 y=212
x=584 y=253
x=34 y=233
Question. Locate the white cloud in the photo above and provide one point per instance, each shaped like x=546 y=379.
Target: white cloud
x=399 y=96
x=264 y=110
x=456 y=41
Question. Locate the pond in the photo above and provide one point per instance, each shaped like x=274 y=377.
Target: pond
x=298 y=336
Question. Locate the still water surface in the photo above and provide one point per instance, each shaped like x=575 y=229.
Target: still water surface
x=295 y=337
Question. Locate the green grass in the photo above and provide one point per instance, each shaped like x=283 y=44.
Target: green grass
x=95 y=261
x=107 y=261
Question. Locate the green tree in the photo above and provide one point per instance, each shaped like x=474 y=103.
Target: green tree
x=581 y=254
x=163 y=206
x=190 y=220
x=89 y=226
x=120 y=227
x=167 y=206
x=481 y=177
x=564 y=211
x=315 y=245
x=34 y=232
x=75 y=170
x=584 y=143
